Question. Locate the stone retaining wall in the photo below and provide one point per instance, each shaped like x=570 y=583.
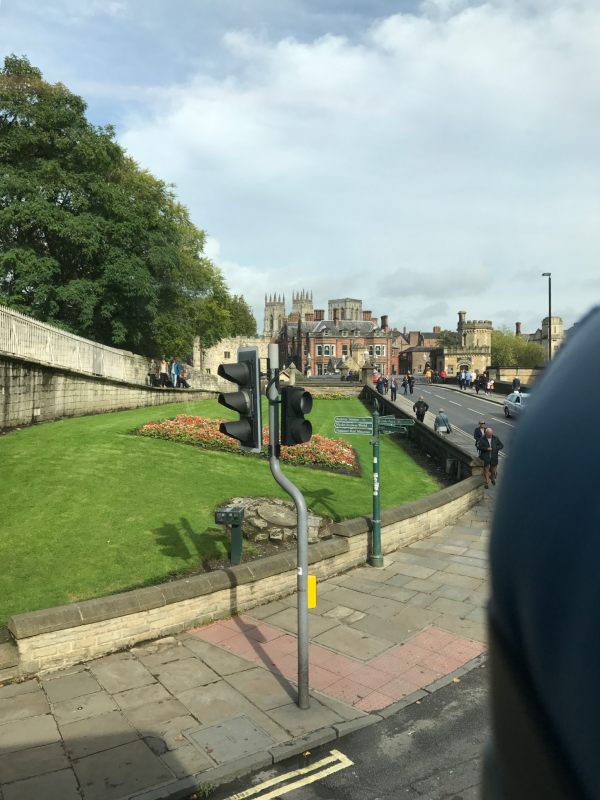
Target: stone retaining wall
x=59 y=637
x=34 y=392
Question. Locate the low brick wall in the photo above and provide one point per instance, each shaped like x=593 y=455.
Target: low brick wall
x=59 y=637
x=34 y=392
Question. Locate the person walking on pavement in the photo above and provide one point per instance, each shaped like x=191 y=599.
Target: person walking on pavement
x=420 y=408
x=380 y=384
x=479 y=432
x=393 y=387
x=405 y=384
x=516 y=385
x=411 y=383
x=441 y=425
x=489 y=445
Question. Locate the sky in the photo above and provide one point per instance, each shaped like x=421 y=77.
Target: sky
x=423 y=156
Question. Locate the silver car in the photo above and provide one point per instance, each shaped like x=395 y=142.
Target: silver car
x=515 y=404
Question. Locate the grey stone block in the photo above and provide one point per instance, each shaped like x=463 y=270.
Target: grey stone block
x=303 y=743
x=230 y=740
x=46 y=620
x=52 y=786
x=121 y=672
x=70 y=686
x=219 y=660
x=150 y=717
x=236 y=769
x=89 y=705
x=265 y=689
x=187 y=760
x=178 y=676
x=352 y=725
x=354 y=643
x=301 y=722
x=31 y=762
x=30 y=704
x=120 y=772
x=22 y=734
x=87 y=736
x=142 y=696
x=16 y=689
x=406 y=701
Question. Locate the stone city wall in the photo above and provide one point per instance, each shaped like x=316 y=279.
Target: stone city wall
x=32 y=392
x=225 y=352
x=59 y=637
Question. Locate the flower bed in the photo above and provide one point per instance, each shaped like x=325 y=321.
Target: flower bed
x=332 y=454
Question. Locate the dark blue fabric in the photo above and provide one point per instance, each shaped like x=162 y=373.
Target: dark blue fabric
x=545 y=549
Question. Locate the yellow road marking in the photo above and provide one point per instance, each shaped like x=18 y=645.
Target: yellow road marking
x=332 y=763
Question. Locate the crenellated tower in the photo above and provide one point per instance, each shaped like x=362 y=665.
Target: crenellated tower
x=302 y=304
x=274 y=314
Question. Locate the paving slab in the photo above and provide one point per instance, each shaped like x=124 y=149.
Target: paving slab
x=70 y=686
x=300 y=722
x=288 y=621
x=352 y=642
x=16 y=689
x=89 y=705
x=148 y=718
x=22 y=734
x=412 y=570
x=215 y=657
x=52 y=786
x=357 y=600
x=453 y=592
x=446 y=606
x=177 y=676
x=120 y=772
x=265 y=689
x=30 y=704
x=120 y=674
x=230 y=740
x=170 y=733
x=186 y=760
x=142 y=696
x=92 y=735
x=465 y=569
x=164 y=655
x=32 y=762
x=392 y=592
x=220 y=701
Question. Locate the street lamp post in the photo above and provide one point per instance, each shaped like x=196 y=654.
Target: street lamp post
x=549 y=276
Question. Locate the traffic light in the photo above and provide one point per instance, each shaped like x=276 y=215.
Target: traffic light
x=295 y=403
x=246 y=401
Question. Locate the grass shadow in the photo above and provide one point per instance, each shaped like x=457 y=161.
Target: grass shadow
x=180 y=541
x=321 y=502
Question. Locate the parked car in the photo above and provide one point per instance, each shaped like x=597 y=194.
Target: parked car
x=515 y=404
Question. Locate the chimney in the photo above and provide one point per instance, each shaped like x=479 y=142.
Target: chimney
x=517 y=328
x=367 y=316
x=319 y=314
x=437 y=329
x=384 y=322
x=309 y=317
x=336 y=315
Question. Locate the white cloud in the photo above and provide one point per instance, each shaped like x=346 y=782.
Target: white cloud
x=432 y=159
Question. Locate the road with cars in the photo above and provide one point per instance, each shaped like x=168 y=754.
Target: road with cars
x=465 y=409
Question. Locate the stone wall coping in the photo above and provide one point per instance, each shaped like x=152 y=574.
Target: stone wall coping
x=34 y=623
x=31 y=362
x=360 y=525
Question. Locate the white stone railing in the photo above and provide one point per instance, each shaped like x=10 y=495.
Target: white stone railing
x=27 y=338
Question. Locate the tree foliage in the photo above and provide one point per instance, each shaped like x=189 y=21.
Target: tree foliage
x=449 y=339
x=90 y=241
x=509 y=350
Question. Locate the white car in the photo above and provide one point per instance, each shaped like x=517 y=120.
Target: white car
x=515 y=404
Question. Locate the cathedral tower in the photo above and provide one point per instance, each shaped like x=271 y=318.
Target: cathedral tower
x=274 y=314
x=302 y=304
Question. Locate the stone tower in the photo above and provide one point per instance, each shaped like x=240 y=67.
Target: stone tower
x=557 y=334
x=274 y=314
x=302 y=304
x=475 y=334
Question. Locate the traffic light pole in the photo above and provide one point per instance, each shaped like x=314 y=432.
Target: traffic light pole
x=375 y=556
x=302 y=517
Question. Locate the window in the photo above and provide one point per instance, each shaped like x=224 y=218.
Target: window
x=379 y=349
x=344 y=349
x=450 y=370
x=226 y=354
x=370 y=349
x=319 y=350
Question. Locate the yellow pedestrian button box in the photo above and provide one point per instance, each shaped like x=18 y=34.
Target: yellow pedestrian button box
x=312 y=591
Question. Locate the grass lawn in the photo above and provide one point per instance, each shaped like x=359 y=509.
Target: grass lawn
x=90 y=509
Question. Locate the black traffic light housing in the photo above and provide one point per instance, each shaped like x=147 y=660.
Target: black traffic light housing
x=246 y=401
x=295 y=403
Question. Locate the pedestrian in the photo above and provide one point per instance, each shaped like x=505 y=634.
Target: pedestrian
x=380 y=385
x=183 y=376
x=411 y=383
x=479 y=432
x=461 y=380
x=385 y=385
x=441 y=425
x=405 y=384
x=163 y=372
x=175 y=373
x=468 y=379
x=443 y=374
x=393 y=387
x=477 y=384
x=489 y=445
x=420 y=408
x=516 y=385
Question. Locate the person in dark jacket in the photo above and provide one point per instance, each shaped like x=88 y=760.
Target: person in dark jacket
x=489 y=445
x=516 y=385
x=479 y=432
x=420 y=408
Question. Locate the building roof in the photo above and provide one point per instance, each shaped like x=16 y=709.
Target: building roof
x=329 y=326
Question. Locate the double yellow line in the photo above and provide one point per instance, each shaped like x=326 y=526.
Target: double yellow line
x=334 y=762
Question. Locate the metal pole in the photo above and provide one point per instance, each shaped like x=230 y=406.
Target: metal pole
x=375 y=557
x=549 y=276
x=302 y=526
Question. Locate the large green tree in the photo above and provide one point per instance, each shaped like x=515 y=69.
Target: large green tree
x=90 y=241
x=509 y=350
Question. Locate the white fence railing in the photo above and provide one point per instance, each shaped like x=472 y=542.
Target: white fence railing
x=28 y=338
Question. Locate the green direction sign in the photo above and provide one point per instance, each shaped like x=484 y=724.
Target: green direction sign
x=390 y=419
x=361 y=425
